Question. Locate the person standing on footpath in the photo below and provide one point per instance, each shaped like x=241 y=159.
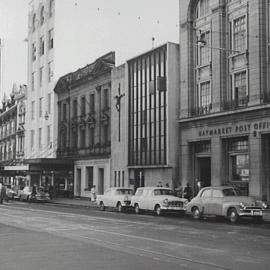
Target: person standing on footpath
x=188 y=192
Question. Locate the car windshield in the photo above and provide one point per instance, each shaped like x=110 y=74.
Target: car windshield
x=231 y=192
x=163 y=192
x=124 y=191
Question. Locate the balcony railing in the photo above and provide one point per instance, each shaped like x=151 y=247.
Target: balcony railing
x=201 y=110
x=236 y=103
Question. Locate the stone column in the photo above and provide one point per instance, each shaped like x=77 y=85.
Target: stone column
x=216 y=161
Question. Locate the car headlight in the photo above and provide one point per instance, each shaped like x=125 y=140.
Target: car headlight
x=264 y=205
x=242 y=205
x=186 y=202
x=165 y=202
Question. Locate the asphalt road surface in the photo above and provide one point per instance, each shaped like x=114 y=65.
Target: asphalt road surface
x=46 y=237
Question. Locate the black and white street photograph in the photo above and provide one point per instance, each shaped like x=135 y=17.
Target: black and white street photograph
x=134 y=134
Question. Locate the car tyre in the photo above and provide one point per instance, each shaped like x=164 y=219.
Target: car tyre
x=196 y=213
x=101 y=206
x=158 y=210
x=137 y=209
x=233 y=215
x=119 y=208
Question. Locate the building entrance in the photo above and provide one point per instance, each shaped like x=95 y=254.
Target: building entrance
x=204 y=171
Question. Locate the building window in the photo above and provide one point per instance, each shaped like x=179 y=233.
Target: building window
x=106 y=99
x=34 y=23
x=204 y=51
x=239 y=34
x=50 y=71
x=82 y=106
x=240 y=92
x=40 y=107
x=64 y=115
x=41 y=45
x=33 y=81
x=92 y=103
x=91 y=137
x=32 y=143
x=33 y=110
x=41 y=72
x=49 y=103
x=49 y=139
x=90 y=178
x=42 y=15
x=204 y=97
x=123 y=178
x=203 y=8
x=40 y=138
x=105 y=134
x=50 y=35
x=75 y=108
x=34 y=52
x=82 y=131
x=51 y=8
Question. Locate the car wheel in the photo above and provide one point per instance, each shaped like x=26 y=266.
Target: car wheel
x=119 y=207
x=101 y=206
x=233 y=215
x=158 y=210
x=196 y=213
x=258 y=220
x=137 y=209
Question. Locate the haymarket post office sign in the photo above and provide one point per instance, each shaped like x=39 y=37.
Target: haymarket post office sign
x=235 y=129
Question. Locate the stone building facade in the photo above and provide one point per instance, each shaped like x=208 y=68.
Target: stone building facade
x=224 y=118
x=84 y=129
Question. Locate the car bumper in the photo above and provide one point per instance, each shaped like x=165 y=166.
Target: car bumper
x=251 y=213
x=172 y=208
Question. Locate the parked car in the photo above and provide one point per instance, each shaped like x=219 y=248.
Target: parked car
x=157 y=199
x=119 y=198
x=11 y=194
x=227 y=202
x=28 y=194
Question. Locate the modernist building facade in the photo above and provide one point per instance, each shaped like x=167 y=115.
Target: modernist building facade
x=224 y=121
x=152 y=96
x=84 y=129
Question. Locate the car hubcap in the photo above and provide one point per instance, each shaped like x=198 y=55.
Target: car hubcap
x=119 y=207
x=196 y=213
x=158 y=211
x=233 y=216
x=137 y=209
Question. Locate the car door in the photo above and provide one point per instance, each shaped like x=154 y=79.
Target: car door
x=217 y=202
x=144 y=199
x=206 y=200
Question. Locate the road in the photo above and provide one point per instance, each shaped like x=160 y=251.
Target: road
x=46 y=237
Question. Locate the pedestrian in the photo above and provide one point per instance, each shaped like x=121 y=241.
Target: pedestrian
x=1 y=193
x=167 y=185
x=178 y=191
x=188 y=192
x=51 y=191
x=93 y=195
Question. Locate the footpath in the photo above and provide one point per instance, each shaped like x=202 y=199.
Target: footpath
x=86 y=203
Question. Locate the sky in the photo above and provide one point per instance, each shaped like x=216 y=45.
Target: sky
x=92 y=28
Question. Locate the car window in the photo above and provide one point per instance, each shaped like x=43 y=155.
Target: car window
x=217 y=193
x=163 y=192
x=123 y=191
x=139 y=192
x=207 y=193
x=229 y=192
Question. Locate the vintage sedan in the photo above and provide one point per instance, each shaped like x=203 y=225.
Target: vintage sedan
x=119 y=198
x=28 y=195
x=11 y=193
x=157 y=199
x=227 y=202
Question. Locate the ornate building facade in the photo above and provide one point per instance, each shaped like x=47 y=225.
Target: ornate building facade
x=224 y=94
x=84 y=113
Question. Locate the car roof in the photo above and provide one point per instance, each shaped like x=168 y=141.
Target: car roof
x=217 y=187
x=116 y=188
x=152 y=188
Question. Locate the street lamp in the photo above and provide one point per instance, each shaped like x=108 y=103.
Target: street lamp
x=203 y=43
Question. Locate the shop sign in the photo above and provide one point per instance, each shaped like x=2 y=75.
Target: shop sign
x=16 y=168
x=235 y=129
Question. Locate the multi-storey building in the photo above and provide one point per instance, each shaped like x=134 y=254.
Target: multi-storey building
x=152 y=96
x=84 y=113
x=12 y=120
x=224 y=94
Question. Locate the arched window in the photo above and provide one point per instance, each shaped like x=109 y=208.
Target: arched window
x=34 y=22
x=203 y=8
x=42 y=15
x=51 y=7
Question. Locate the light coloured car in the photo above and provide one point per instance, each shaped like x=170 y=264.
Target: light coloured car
x=119 y=198
x=28 y=195
x=157 y=199
x=225 y=201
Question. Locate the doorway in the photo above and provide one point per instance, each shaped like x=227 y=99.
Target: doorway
x=204 y=170
x=139 y=178
x=78 y=182
x=100 y=180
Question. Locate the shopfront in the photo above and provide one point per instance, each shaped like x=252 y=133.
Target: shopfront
x=227 y=150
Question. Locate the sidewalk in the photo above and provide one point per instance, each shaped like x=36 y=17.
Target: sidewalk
x=85 y=203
